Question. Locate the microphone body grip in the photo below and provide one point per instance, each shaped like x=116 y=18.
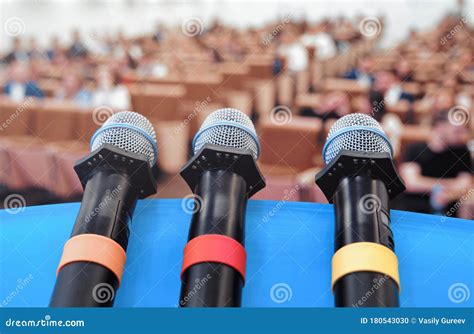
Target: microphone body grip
x=363 y=218
x=109 y=202
x=222 y=201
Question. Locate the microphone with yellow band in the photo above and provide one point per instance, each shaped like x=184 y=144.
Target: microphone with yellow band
x=360 y=180
x=114 y=175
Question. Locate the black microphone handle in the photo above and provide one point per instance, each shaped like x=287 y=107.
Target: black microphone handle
x=369 y=224
x=106 y=209
x=222 y=197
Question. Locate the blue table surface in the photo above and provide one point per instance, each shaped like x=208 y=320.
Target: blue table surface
x=289 y=248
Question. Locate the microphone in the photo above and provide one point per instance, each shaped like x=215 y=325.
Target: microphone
x=114 y=175
x=222 y=174
x=360 y=179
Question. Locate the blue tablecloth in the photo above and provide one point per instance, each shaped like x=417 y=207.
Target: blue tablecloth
x=289 y=247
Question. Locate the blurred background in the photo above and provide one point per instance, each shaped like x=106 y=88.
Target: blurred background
x=293 y=67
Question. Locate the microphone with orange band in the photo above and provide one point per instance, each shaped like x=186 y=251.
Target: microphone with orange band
x=223 y=174
x=114 y=175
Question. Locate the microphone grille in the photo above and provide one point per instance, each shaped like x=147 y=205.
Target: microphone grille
x=228 y=127
x=129 y=131
x=355 y=132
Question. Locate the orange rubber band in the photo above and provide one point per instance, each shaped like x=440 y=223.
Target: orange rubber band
x=215 y=248
x=94 y=248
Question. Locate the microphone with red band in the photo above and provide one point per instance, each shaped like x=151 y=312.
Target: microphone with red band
x=222 y=174
x=116 y=173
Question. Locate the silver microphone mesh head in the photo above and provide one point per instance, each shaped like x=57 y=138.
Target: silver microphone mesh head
x=130 y=131
x=355 y=132
x=230 y=128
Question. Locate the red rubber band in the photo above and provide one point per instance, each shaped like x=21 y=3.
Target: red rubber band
x=215 y=248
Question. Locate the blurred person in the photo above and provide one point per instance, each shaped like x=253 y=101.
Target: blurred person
x=150 y=67
x=294 y=52
x=318 y=38
x=34 y=50
x=159 y=33
x=389 y=85
x=17 y=54
x=77 y=49
x=404 y=71
x=362 y=72
x=73 y=89
x=335 y=105
x=110 y=92
x=20 y=84
x=55 y=49
x=461 y=98
x=439 y=172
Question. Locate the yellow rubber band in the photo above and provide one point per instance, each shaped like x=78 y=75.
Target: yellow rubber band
x=364 y=256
